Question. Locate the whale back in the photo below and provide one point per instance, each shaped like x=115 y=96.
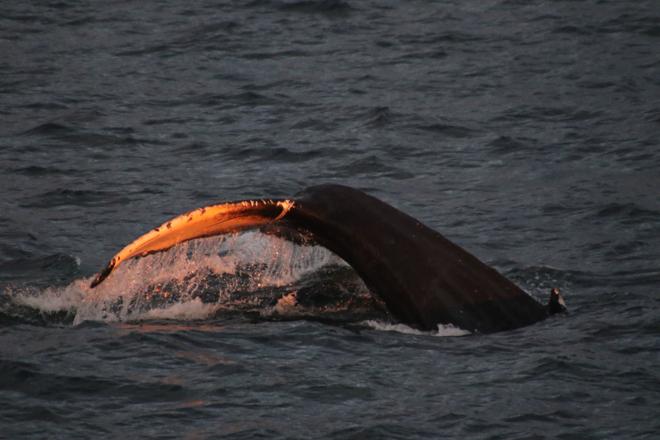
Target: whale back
x=424 y=278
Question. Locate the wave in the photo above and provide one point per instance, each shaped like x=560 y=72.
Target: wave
x=443 y=330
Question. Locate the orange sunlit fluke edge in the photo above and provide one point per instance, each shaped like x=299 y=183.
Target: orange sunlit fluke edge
x=201 y=222
x=423 y=278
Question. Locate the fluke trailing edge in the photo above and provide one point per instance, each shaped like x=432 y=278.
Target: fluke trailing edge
x=423 y=278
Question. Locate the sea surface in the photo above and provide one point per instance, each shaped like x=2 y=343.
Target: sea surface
x=528 y=132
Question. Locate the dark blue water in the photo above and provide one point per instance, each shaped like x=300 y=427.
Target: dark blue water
x=527 y=132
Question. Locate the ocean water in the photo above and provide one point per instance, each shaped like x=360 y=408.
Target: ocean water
x=527 y=132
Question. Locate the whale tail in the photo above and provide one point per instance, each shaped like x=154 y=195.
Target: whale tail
x=556 y=303
x=423 y=278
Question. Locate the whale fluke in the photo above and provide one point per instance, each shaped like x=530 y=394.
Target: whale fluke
x=202 y=222
x=423 y=278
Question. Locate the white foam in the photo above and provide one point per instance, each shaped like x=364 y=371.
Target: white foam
x=51 y=299
x=185 y=311
x=443 y=330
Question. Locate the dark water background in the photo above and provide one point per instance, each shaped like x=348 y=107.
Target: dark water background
x=528 y=132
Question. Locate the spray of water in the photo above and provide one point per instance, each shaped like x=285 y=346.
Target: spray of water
x=247 y=272
x=191 y=281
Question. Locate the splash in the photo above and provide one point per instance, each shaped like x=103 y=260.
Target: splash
x=248 y=272
x=234 y=272
x=31 y=305
x=50 y=300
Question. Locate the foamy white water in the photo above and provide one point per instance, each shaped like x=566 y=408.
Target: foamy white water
x=442 y=331
x=191 y=310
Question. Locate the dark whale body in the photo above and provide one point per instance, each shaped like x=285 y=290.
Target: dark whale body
x=423 y=278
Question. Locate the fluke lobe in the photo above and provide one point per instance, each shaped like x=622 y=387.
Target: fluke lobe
x=423 y=278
